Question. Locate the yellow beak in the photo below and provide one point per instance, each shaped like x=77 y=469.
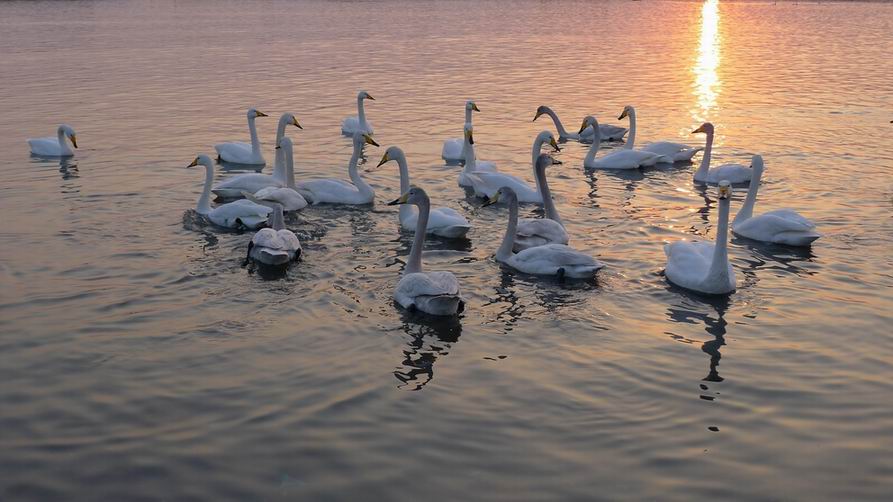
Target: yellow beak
x=384 y=158
x=259 y=113
x=369 y=140
x=700 y=129
x=74 y=140
x=475 y=107
x=623 y=115
x=369 y=96
x=583 y=127
x=194 y=163
x=554 y=144
x=295 y=123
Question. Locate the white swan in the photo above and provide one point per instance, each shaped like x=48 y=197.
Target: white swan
x=274 y=246
x=472 y=165
x=676 y=152
x=618 y=159
x=358 y=124
x=285 y=120
x=286 y=196
x=442 y=221
x=454 y=148
x=550 y=259
x=704 y=266
x=232 y=188
x=335 y=191
x=435 y=293
x=782 y=226
x=608 y=132
x=533 y=232
x=233 y=215
x=55 y=147
x=244 y=153
x=485 y=184
x=736 y=174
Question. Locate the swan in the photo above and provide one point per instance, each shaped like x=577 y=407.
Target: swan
x=676 y=152
x=286 y=196
x=232 y=188
x=550 y=259
x=736 y=174
x=358 y=124
x=285 y=120
x=442 y=221
x=274 y=246
x=335 y=191
x=782 y=226
x=243 y=153
x=435 y=293
x=534 y=232
x=55 y=147
x=609 y=132
x=232 y=215
x=471 y=163
x=454 y=149
x=486 y=184
x=619 y=159
x=704 y=266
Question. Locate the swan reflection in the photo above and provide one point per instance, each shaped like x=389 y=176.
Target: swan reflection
x=429 y=338
x=693 y=310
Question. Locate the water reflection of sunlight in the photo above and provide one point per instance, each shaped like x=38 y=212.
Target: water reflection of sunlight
x=707 y=82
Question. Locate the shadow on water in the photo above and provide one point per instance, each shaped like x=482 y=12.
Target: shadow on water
x=709 y=310
x=428 y=338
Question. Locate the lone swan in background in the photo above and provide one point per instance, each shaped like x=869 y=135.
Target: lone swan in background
x=243 y=153
x=435 y=293
x=782 y=226
x=736 y=174
x=232 y=215
x=608 y=132
x=358 y=124
x=675 y=152
x=704 y=266
x=454 y=148
x=55 y=147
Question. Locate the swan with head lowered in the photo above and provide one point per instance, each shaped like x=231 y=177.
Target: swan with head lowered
x=485 y=184
x=55 y=147
x=286 y=196
x=435 y=293
x=274 y=246
x=550 y=259
x=454 y=148
x=335 y=191
x=618 y=159
x=241 y=213
x=676 y=152
x=442 y=221
x=472 y=164
x=608 y=132
x=736 y=174
x=243 y=153
x=782 y=226
x=703 y=266
x=358 y=124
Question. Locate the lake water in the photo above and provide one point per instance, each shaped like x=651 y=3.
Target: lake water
x=141 y=362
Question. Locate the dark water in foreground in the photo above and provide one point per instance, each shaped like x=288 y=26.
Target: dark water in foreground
x=141 y=362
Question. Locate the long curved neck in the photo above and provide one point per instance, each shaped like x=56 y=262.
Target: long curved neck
x=631 y=137
x=596 y=144
x=508 y=241
x=414 y=264
x=289 y=168
x=277 y=220
x=255 y=143
x=719 y=267
x=705 y=160
x=63 y=143
x=548 y=203
x=405 y=209
x=558 y=125
x=354 y=174
x=361 y=111
x=204 y=202
x=746 y=210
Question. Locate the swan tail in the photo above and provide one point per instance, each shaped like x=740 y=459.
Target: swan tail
x=452 y=231
x=439 y=304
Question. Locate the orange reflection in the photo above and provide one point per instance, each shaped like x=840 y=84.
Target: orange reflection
x=707 y=82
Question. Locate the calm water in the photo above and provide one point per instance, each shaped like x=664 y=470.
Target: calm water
x=141 y=362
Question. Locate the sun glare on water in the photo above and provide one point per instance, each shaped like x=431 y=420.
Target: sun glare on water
x=707 y=82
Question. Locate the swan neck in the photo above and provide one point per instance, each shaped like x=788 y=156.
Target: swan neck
x=255 y=143
x=63 y=143
x=470 y=163
x=562 y=132
x=631 y=137
x=418 y=241
x=596 y=144
x=508 y=241
x=204 y=202
x=405 y=209
x=277 y=220
x=548 y=203
x=279 y=162
x=468 y=112
x=354 y=173
x=289 y=168
x=746 y=211
x=361 y=112
x=719 y=267
x=704 y=169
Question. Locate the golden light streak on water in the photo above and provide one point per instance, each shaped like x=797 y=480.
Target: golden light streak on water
x=707 y=83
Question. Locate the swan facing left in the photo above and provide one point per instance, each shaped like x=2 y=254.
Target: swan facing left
x=55 y=147
x=608 y=132
x=241 y=213
x=434 y=293
x=244 y=153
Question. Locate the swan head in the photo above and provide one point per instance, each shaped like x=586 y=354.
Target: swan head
x=706 y=128
x=547 y=137
x=289 y=119
x=469 y=134
x=627 y=111
x=504 y=194
x=545 y=160
x=392 y=153
x=69 y=133
x=725 y=190
x=589 y=121
x=415 y=195
x=254 y=113
x=470 y=105
x=285 y=143
x=365 y=95
x=756 y=163
x=542 y=110
x=203 y=160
